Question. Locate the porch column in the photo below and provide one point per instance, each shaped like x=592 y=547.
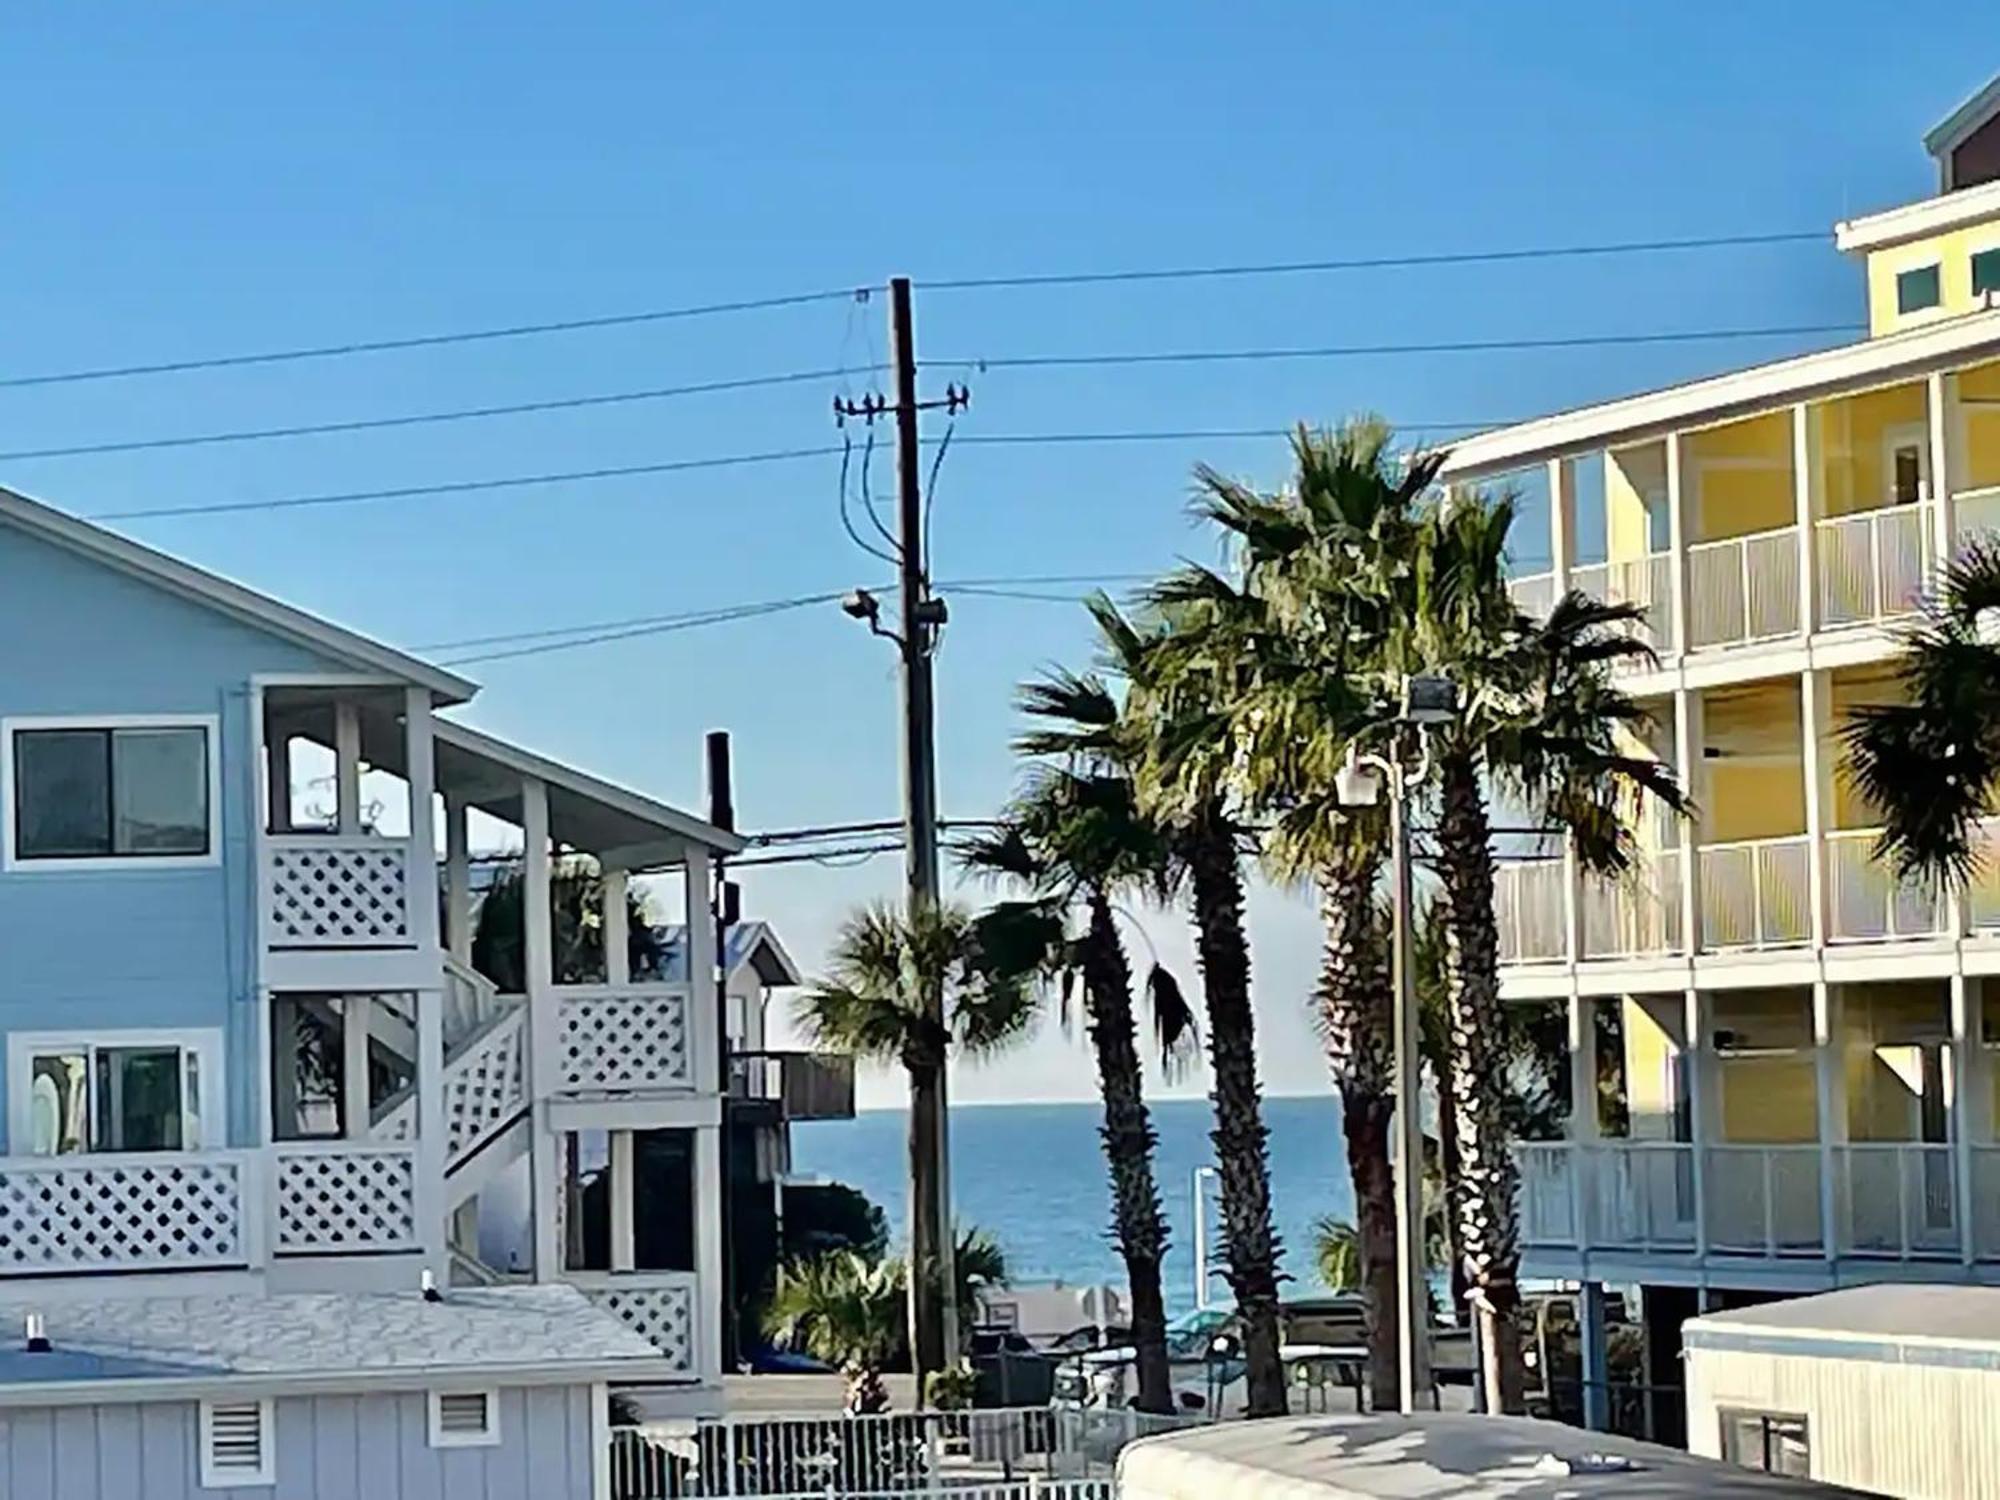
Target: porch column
x=357 y=1019
x=617 y=950
x=705 y=1028
x=1802 y=485
x=1583 y=1161
x=1562 y=527
x=1816 y=755
x=1970 y=1098
x=708 y=1266
x=1695 y=1055
x=347 y=766
x=1691 y=768
x=538 y=972
x=1593 y=1335
x=421 y=777
x=623 y=1246
x=457 y=879
x=277 y=782
x=1679 y=534
x=1941 y=405
x=1830 y=1104
x=433 y=1219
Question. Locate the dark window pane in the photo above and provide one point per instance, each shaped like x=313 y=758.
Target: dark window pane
x=1986 y=272
x=62 y=793
x=159 y=780
x=663 y=1187
x=1917 y=290
x=139 y=1099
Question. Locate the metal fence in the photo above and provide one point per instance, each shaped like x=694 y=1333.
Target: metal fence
x=1047 y=1453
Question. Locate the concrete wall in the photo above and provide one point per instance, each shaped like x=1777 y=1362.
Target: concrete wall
x=372 y=1447
x=94 y=951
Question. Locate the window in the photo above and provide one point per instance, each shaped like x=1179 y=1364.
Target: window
x=128 y=791
x=236 y=1447
x=1986 y=271
x=465 y=1419
x=1917 y=289
x=1767 y=1440
x=138 y=1092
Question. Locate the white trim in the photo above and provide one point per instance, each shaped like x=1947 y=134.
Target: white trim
x=231 y=598
x=600 y=1441
x=266 y=1472
x=211 y=727
x=487 y=1436
x=205 y=1042
x=1956 y=128
x=1916 y=221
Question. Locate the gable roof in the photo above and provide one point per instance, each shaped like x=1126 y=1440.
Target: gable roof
x=1951 y=132
x=211 y=589
x=751 y=944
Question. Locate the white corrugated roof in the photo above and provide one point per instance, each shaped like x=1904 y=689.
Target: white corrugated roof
x=1886 y=1310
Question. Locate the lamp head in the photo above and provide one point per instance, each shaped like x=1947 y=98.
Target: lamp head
x=1429 y=699
x=1357 y=785
x=862 y=605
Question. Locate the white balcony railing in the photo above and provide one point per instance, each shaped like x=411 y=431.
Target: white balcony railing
x=1871 y=564
x=344 y=1199
x=1608 y=1195
x=1763 y=1200
x=1550 y=1204
x=659 y=1306
x=627 y=1039
x=1755 y=894
x=336 y=891
x=1745 y=588
x=1528 y=908
x=138 y=1211
x=1866 y=902
x=1897 y=1199
x=1533 y=593
x=1646 y=582
x=1976 y=512
x=1637 y=914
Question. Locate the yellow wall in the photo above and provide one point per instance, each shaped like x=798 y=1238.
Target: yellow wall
x=1769 y=1101
x=1632 y=476
x=1755 y=787
x=1851 y=473
x=1952 y=253
x=1740 y=477
x=1652 y=1026
x=1977 y=464
x=1880 y=1025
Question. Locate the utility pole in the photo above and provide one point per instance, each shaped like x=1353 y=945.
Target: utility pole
x=722 y=813
x=933 y=1281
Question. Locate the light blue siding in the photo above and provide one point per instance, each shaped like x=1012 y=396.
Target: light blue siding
x=374 y=1447
x=88 y=950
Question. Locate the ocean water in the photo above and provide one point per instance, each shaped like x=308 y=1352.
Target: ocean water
x=1034 y=1175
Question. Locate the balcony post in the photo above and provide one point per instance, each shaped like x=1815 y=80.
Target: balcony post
x=623 y=1240
x=1806 y=518
x=1815 y=721
x=617 y=950
x=1695 y=1053
x=1941 y=405
x=347 y=766
x=357 y=1019
x=457 y=879
x=1583 y=1116
x=1970 y=1101
x=433 y=1218
x=538 y=975
x=1562 y=528
x=1681 y=633
x=708 y=1262
x=1688 y=735
x=1830 y=1105
x=420 y=775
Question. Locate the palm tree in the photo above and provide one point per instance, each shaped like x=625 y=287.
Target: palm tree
x=1076 y=839
x=978 y=1262
x=1931 y=764
x=890 y=977
x=847 y=1310
x=576 y=929
x=1169 y=727
x=1541 y=723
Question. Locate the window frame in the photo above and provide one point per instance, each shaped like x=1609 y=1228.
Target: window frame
x=1727 y=1417
x=267 y=1448
x=204 y=1042
x=1929 y=309
x=487 y=1437
x=12 y=861
x=1972 y=256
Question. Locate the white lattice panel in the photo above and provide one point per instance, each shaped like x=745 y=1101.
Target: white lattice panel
x=623 y=1043
x=354 y=1198
x=338 y=893
x=120 y=1213
x=486 y=1085
x=659 y=1311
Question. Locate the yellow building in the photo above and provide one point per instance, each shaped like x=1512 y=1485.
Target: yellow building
x=1782 y=1074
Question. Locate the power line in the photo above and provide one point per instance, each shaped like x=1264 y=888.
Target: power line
x=419 y=419
x=724 y=615
x=428 y=340
x=1346 y=351
x=1374 y=262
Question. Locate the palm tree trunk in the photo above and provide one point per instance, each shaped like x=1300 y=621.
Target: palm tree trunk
x=1137 y=1224
x=1448 y=1169
x=1356 y=1003
x=1239 y=1136
x=927 y=1226
x=1483 y=1191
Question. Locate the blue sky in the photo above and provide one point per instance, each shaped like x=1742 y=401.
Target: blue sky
x=193 y=180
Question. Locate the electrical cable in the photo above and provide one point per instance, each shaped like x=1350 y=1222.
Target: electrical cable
x=847 y=521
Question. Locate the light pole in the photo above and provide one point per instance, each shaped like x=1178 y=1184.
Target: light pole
x=1426 y=701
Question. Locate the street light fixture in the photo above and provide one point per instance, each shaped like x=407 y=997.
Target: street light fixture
x=1427 y=701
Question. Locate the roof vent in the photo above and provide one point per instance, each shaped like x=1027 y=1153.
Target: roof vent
x=430 y=1287
x=38 y=1334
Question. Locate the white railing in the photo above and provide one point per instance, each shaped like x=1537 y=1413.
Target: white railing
x=1528 y=909
x=660 y=1306
x=330 y=891
x=1866 y=902
x=1534 y=594
x=343 y=1199
x=629 y=1039
x=1986 y=1201
x=1763 y=1200
x=1636 y=914
x=138 y=1211
x=470 y=1001
x=1643 y=581
x=1755 y=893
x=1640 y=1195
x=1975 y=512
x=1897 y=1199
x=1549 y=1199
x=486 y=1082
x=1871 y=564
x=1745 y=588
